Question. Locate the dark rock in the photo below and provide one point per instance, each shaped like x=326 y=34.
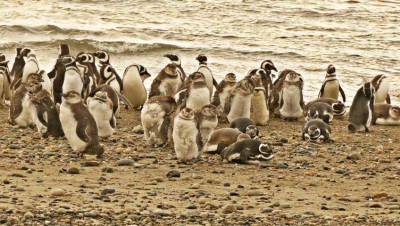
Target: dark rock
x=107 y=191
x=90 y=163
x=73 y=170
x=173 y=173
x=191 y=207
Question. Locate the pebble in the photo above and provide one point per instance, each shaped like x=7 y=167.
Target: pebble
x=354 y=156
x=107 y=191
x=195 y=186
x=191 y=207
x=92 y=214
x=375 y=205
x=173 y=173
x=394 y=207
x=57 y=192
x=14 y=146
x=210 y=206
x=28 y=215
x=255 y=193
x=125 y=162
x=138 y=129
x=285 y=206
x=229 y=208
x=73 y=170
x=281 y=165
x=267 y=210
x=380 y=195
x=91 y=163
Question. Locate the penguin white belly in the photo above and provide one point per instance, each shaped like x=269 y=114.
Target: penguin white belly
x=291 y=102
x=206 y=128
x=24 y=119
x=152 y=117
x=134 y=90
x=331 y=89
x=208 y=78
x=184 y=136
x=259 y=113
x=114 y=84
x=370 y=113
x=388 y=121
x=169 y=86
x=102 y=114
x=72 y=82
x=382 y=92
x=29 y=68
x=33 y=113
x=69 y=125
x=240 y=107
x=222 y=98
x=197 y=98
x=47 y=83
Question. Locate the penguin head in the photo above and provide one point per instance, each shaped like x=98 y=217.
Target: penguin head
x=394 y=112
x=202 y=59
x=268 y=65
x=197 y=76
x=3 y=61
x=257 y=80
x=84 y=58
x=331 y=69
x=102 y=56
x=187 y=114
x=24 y=52
x=71 y=97
x=369 y=90
x=209 y=110
x=68 y=61
x=101 y=96
x=33 y=87
x=175 y=58
x=252 y=131
x=292 y=76
x=312 y=114
x=230 y=77
x=170 y=70
x=265 y=149
x=106 y=71
x=338 y=107
x=314 y=132
x=143 y=72
x=35 y=77
x=2 y=57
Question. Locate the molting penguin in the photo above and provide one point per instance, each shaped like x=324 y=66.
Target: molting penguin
x=238 y=104
x=339 y=109
x=156 y=117
x=79 y=125
x=176 y=59
x=166 y=83
x=205 y=70
x=101 y=108
x=386 y=114
x=207 y=121
x=331 y=86
x=19 y=112
x=259 y=112
x=362 y=108
x=35 y=88
x=223 y=92
x=72 y=77
x=5 y=81
x=222 y=138
x=133 y=86
x=17 y=70
x=247 y=151
x=247 y=126
x=291 y=97
x=196 y=95
x=109 y=76
x=381 y=85
x=320 y=110
x=186 y=136
x=315 y=130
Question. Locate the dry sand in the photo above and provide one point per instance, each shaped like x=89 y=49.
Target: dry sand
x=352 y=181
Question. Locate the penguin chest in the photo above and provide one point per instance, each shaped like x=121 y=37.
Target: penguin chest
x=198 y=97
x=388 y=121
x=103 y=115
x=134 y=90
x=35 y=118
x=208 y=77
x=72 y=82
x=291 y=96
x=69 y=124
x=224 y=95
x=382 y=91
x=240 y=107
x=170 y=86
x=331 y=89
x=206 y=128
x=152 y=118
x=184 y=136
x=29 y=68
x=24 y=118
x=114 y=84
x=259 y=112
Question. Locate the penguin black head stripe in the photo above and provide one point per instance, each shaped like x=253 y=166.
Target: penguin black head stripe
x=368 y=90
x=173 y=57
x=24 y=52
x=63 y=50
x=331 y=69
x=268 y=65
x=202 y=59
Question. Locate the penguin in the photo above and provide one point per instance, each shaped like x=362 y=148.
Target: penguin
x=268 y=66
x=156 y=118
x=79 y=125
x=186 y=136
x=281 y=77
x=46 y=114
x=196 y=95
x=167 y=82
x=72 y=77
x=248 y=151
x=362 y=108
x=339 y=109
x=381 y=85
x=259 y=112
x=316 y=130
x=320 y=110
x=247 y=126
x=265 y=77
x=109 y=76
x=205 y=70
x=222 y=138
x=222 y=92
x=286 y=99
x=238 y=104
x=331 y=86
x=103 y=57
x=101 y=107
x=134 y=90
x=86 y=62
x=207 y=120
x=63 y=51
x=17 y=69
x=176 y=59
x=31 y=63
x=19 y=112
x=5 y=81
x=34 y=87
x=386 y=114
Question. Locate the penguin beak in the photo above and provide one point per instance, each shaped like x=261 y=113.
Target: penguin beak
x=274 y=68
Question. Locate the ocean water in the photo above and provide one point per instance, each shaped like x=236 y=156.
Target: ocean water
x=360 y=37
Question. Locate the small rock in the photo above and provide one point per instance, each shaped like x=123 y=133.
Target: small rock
x=394 y=207
x=255 y=193
x=125 y=162
x=285 y=206
x=267 y=210
x=73 y=170
x=281 y=165
x=375 y=205
x=324 y=208
x=191 y=207
x=195 y=186
x=91 y=163
x=232 y=193
x=210 y=206
x=28 y=215
x=19 y=189
x=284 y=140
x=354 y=156
x=138 y=129
x=5 y=181
x=107 y=191
x=173 y=173
x=229 y=208
x=380 y=195
x=57 y=192
x=14 y=146
x=162 y=213
x=92 y=214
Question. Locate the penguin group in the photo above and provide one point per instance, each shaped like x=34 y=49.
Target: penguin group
x=80 y=100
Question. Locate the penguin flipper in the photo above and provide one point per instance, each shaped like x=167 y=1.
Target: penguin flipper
x=244 y=155
x=215 y=83
x=154 y=91
x=388 y=99
x=321 y=91
x=85 y=131
x=113 y=122
x=343 y=95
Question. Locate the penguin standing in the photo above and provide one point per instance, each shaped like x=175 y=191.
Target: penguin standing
x=259 y=112
x=63 y=51
x=320 y=110
x=176 y=59
x=79 y=125
x=86 y=62
x=5 y=81
x=167 y=82
x=222 y=92
x=101 y=108
x=133 y=86
x=248 y=151
x=381 y=85
x=72 y=77
x=34 y=88
x=156 y=118
x=362 y=108
x=386 y=114
x=315 y=130
x=196 y=95
x=19 y=112
x=331 y=86
x=186 y=136
x=238 y=103
x=265 y=77
x=205 y=70
x=207 y=120
x=17 y=70
x=268 y=66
